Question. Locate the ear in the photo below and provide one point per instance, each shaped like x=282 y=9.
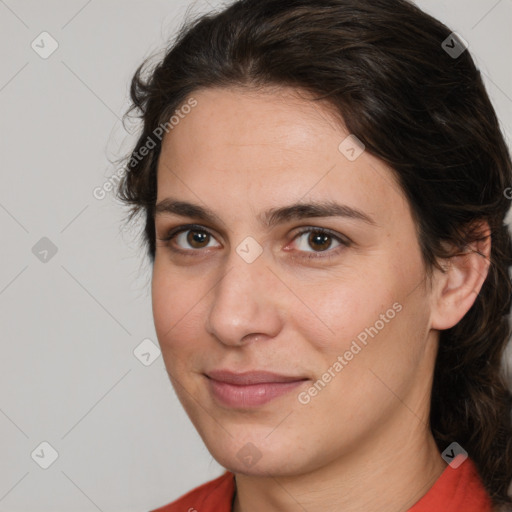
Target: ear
x=454 y=291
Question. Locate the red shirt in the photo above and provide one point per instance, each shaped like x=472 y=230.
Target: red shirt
x=456 y=490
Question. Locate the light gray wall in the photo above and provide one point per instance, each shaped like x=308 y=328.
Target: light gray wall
x=70 y=324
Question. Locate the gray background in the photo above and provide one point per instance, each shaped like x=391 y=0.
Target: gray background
x=70 y=321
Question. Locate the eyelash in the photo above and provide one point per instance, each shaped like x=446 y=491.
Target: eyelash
x=311 y=229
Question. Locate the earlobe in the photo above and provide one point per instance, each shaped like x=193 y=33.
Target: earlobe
x=455 y=290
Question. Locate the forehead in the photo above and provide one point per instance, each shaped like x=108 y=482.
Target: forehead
x=283 y=116
x=267 y=147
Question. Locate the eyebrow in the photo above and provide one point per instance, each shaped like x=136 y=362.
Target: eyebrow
x=270 y=217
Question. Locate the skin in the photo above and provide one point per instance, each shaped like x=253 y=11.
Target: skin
x=363 y=442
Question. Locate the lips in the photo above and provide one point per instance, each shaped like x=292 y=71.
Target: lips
x=250 y=389
x=249 y=378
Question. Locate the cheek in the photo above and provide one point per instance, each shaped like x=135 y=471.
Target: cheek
x=374 y=308
x=176 y=305
x=340 y=308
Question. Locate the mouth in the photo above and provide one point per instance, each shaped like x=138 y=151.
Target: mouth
x=250 y=389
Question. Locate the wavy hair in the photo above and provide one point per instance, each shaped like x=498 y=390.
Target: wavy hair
x=382 y=66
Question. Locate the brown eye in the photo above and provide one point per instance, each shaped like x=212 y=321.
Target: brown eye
x=196 y=238
x=319 y=241
x=189 y=239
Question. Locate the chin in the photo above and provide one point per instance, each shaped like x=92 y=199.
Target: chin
x=256 y=458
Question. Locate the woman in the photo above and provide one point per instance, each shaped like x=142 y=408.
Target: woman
x=324 y=186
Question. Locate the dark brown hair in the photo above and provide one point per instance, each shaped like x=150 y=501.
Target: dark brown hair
x=382 y=67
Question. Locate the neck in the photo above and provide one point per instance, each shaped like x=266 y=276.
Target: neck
x=370 y=478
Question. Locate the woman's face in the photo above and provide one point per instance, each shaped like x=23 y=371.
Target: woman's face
x=343 y=315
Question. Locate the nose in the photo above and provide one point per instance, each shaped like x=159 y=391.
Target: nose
x=245 y=305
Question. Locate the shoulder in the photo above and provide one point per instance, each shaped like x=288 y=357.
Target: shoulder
x=215 y=495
